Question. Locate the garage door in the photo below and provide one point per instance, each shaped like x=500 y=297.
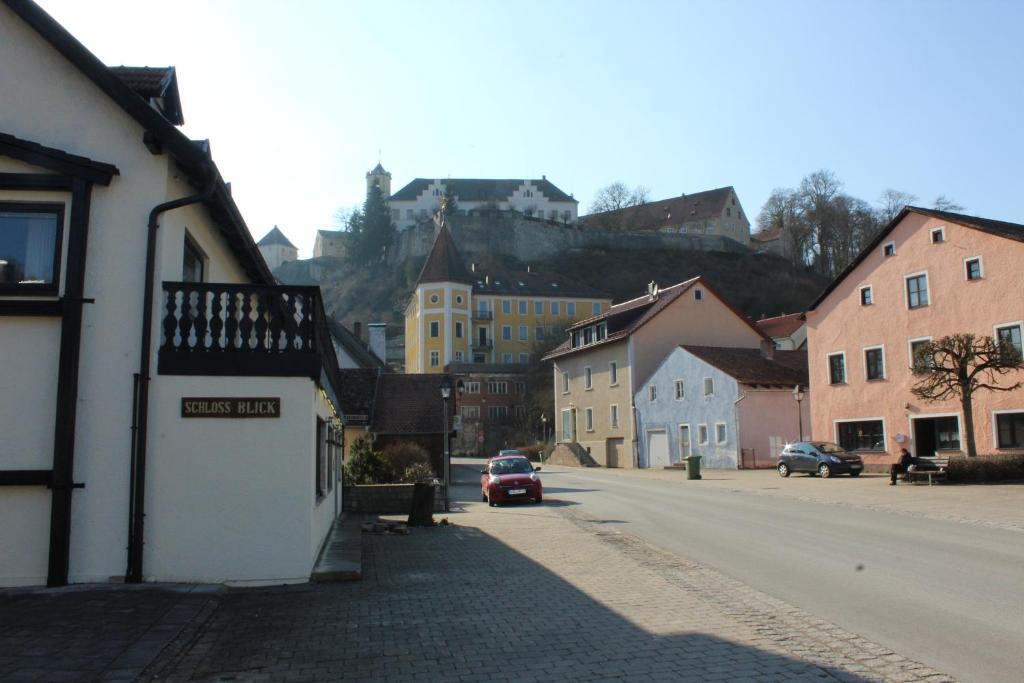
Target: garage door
x=657 y=449
x=615 y=452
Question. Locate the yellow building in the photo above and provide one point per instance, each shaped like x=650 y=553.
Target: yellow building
x=467 y=315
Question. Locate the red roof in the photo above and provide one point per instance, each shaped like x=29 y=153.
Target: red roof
x=781 y=325
x=749 y=366
x=700 y=206
x=444 y=264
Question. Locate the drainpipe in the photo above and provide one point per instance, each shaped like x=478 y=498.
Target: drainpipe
x=140 y=411
x=736 y=431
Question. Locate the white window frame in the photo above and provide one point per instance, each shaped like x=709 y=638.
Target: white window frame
x=890 y=243
x=459 y=329
x=885 y=430
x=828 y=369
x=508 y=336
x=864 y=360
x=524 y=333
x=470 y=412
x=924 y=416
x=588 y=419
x=524 y=307
x=725 y=431
x=981 y=268
x=506 y=306
x=459 y=356
x=538 y=307
x=1015 y=323
x=595 y=308
x=434 y=325
x=705 y=384
x=435 y=359
x=497 y=387
x=538 y=333
x=570 y=309
x=927 y=289
x=941 y=230
x=506 y=357
x=471 y=387
x=676 y=386
x=588 y=379
x=910 y=349
x=565 y=381
x=702 y=434
x=871 y=291
x=689 y=438
x=524 y=359
x=556 y=308
x=613 y=373
x=995 y=428
x=613 y=415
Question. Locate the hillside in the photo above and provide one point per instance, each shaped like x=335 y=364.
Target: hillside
x=758 y=284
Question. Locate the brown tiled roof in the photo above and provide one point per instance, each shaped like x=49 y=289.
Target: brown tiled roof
x=749 y=366
x=360 y=353
x=358 y=387
x=625 y=318
x=487 y=368
x=443 y=263
x=149 y=82
x=1012 y=231
x=480 y=189
x=686 y=208
x=767 y=235
x=782 y=325
x=408 y=404
x=495 y=280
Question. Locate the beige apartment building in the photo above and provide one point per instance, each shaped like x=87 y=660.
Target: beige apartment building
x=606 y=358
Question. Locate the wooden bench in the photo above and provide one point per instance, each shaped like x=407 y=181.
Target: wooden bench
x=930 y=468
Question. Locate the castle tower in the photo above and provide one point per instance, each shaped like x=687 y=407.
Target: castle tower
x=380 y=178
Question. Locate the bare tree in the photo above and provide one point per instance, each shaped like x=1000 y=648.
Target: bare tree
x=959 y=365
x=618 y=196
x=891 y=202
x=783 y=213
x=817 y=191
x=944 y=203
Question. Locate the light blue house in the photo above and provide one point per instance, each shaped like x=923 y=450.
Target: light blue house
x=733 y=407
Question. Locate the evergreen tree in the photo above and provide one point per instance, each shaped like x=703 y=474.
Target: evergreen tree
x=370 y=229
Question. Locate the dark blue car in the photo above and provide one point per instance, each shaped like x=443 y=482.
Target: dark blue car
x=819 y=457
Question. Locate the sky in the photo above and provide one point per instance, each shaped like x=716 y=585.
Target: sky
x=299 y=99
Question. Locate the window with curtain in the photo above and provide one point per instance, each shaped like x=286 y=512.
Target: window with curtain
x=30 y=236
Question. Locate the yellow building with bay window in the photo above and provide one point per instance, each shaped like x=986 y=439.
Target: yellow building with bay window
x=469 y=315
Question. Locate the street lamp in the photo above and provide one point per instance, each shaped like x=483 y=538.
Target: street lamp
x=446 y=393
x=798 y=396
x=543 y=428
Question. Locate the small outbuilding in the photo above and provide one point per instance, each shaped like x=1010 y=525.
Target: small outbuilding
x=735 y=407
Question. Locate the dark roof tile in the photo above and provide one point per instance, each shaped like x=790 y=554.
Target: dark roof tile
x=408 y=404
x=480 y=189
x=749 y=366
x=443 y=263
x=782 y=325
x=275 y=236
x=358 y=386
x=700 y=206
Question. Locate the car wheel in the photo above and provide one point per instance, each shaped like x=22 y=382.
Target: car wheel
x=538 y=499
x=855 y=474
x=784 y=470
x=824 y=470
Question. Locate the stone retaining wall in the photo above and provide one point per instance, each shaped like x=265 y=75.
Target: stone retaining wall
x=385 y=499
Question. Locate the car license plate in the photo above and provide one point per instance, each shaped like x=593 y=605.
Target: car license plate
x=516 y=492
x=855 y=466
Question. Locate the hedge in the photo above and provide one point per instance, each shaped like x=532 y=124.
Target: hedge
x=986 y=469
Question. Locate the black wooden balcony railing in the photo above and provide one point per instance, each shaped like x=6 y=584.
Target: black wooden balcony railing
x=483 y=345
x=255 y=330
x=482 y=315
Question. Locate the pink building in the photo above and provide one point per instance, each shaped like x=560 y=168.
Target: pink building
x=928 y=274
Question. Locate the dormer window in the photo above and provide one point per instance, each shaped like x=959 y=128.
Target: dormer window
x=588 y=335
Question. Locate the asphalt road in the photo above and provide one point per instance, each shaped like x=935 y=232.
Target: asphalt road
x=947 y=594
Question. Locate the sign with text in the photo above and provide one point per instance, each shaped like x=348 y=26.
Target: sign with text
x=230 y=407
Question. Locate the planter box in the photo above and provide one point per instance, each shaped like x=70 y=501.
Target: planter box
x=385 y=499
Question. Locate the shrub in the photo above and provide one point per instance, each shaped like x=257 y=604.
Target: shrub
x=416 y=473
x=986 y=468
x=402 y=455
x=366 y=466
x=532 y=452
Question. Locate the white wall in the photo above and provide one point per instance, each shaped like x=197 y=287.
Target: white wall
x=428 y=201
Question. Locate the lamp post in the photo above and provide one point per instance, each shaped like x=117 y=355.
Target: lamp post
x=446 y=393
x=543 y=428
x=798 y=396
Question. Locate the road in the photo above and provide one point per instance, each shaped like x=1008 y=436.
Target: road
x=947 y=594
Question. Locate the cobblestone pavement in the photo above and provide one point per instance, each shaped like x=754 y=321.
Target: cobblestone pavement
x=89 y=633
x=522 y=593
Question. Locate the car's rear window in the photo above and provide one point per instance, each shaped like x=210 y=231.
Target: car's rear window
x=511 y=466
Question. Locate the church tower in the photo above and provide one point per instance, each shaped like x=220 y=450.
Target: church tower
x=380 y=178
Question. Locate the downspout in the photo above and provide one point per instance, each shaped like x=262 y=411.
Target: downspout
x=140 y=415
x=736 y=431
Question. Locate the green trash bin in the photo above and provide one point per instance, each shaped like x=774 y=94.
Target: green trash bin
x=693 y=467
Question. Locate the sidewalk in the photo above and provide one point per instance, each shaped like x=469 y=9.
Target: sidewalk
x=994 y=505
x=523 y=593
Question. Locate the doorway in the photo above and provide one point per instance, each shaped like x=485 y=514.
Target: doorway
x=481 y=333
x=934 y=434
x=614 y=452
x=684 y=442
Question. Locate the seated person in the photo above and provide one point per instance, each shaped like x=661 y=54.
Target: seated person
x=901 y=466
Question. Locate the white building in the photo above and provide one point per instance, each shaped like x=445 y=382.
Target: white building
x=277 y=249
x=420 y=199
x=162 y=394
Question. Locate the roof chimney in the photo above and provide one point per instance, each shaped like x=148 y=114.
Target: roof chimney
x=378 y=333
x=767 y=349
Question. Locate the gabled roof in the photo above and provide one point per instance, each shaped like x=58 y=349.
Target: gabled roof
x=480 y=189
x=160 y=134
x=275 y=236
x=498 y=280
x=358 y=386
x=767 y=235
x=155 y=83
x=781 y=325
x=686 y=208
x=1011 y=231
x=56 y=160
x=408 y=404
x=626 y=318
x=443 y=263
x=749 y=366
x=353 y=346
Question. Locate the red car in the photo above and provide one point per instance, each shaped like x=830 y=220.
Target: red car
x=510 y=477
